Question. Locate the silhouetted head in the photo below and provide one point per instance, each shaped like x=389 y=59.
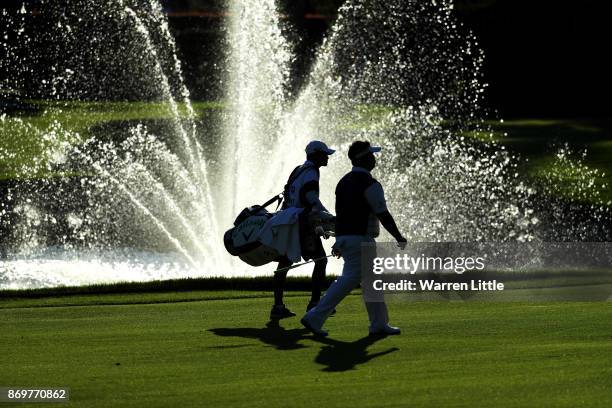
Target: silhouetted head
x=361 y=154
x=318 y=153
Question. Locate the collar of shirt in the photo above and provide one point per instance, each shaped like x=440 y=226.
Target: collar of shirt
x=308 y=163
x=360 y=169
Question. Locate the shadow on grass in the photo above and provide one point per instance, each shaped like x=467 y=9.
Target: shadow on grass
x=273 y=334
x=335 y=355
x=339 y=356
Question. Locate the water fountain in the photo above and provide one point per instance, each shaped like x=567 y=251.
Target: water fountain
x=149 y=199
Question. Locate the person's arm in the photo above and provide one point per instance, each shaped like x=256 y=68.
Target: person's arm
x=312 y=197
x=310 y=192
x=378 y=204
x=387 y=221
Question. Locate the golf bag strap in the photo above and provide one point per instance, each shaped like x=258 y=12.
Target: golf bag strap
x=278 y=198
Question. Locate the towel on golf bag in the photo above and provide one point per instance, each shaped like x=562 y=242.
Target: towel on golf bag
x=282 y=233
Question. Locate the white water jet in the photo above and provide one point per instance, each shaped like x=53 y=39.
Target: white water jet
x=146 y=200
x=258 y=74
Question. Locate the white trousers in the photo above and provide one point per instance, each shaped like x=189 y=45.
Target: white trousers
x=350 y=249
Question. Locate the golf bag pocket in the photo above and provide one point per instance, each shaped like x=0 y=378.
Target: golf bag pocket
x=243 y=240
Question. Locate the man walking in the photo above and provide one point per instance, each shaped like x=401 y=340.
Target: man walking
x=302 y=191
x=360 y=205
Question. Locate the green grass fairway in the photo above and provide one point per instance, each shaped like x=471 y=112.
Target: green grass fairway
x=214 y=350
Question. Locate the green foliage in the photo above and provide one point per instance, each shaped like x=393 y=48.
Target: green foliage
x=29 y=144
x=572 y=157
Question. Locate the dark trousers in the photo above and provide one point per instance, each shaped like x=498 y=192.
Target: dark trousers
x=318 y=275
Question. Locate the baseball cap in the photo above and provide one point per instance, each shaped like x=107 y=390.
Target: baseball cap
x=318 y=146
x=361 y=148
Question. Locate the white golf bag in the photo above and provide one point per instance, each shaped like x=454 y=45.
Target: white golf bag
x=259 y=237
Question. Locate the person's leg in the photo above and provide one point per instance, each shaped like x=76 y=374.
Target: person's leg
x=374 y=300
x=318 y=274
x=279 y=311
x=378 y=315
x=280 y=276
x=350 y=278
